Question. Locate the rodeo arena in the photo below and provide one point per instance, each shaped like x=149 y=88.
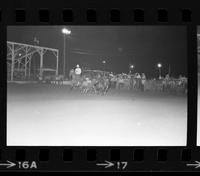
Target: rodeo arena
x=90 y=107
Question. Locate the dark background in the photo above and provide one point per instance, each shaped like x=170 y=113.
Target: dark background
x=150 y=7
x=118 y=45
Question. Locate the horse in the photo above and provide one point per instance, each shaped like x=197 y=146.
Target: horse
x=75 y=79
x=102 y=85
x=88 y=85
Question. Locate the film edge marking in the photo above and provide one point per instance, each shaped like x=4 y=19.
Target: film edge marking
x=120 y=164
x=106 y=164
x=196 y=164
x=9 y=164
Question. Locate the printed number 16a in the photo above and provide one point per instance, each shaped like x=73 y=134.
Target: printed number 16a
x=27 y=165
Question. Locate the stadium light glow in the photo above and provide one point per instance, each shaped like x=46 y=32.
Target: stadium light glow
x=131 y=66
x=159 y=65
x=66 y=31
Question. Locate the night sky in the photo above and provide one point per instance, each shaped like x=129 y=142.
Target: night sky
x=143 y=46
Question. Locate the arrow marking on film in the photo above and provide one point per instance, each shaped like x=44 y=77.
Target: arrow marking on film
x=196 y=164
x=107 y=164
x=9 y=164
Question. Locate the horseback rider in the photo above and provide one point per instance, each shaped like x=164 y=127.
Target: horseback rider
x=78 y=70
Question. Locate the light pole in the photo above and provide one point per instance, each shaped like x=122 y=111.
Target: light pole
x=131 y=67
x=159 y=65
x=65 y=32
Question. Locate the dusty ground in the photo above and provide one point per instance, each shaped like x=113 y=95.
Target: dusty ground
x=47 y=115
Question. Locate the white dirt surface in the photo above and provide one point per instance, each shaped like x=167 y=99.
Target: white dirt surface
x=48 y=115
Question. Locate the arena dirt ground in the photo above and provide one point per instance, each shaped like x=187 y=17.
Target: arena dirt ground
x=49 y=115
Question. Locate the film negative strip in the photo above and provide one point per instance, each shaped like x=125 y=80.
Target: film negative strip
x=98 y=86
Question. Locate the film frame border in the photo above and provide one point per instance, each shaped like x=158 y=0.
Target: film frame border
x=82 y=158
